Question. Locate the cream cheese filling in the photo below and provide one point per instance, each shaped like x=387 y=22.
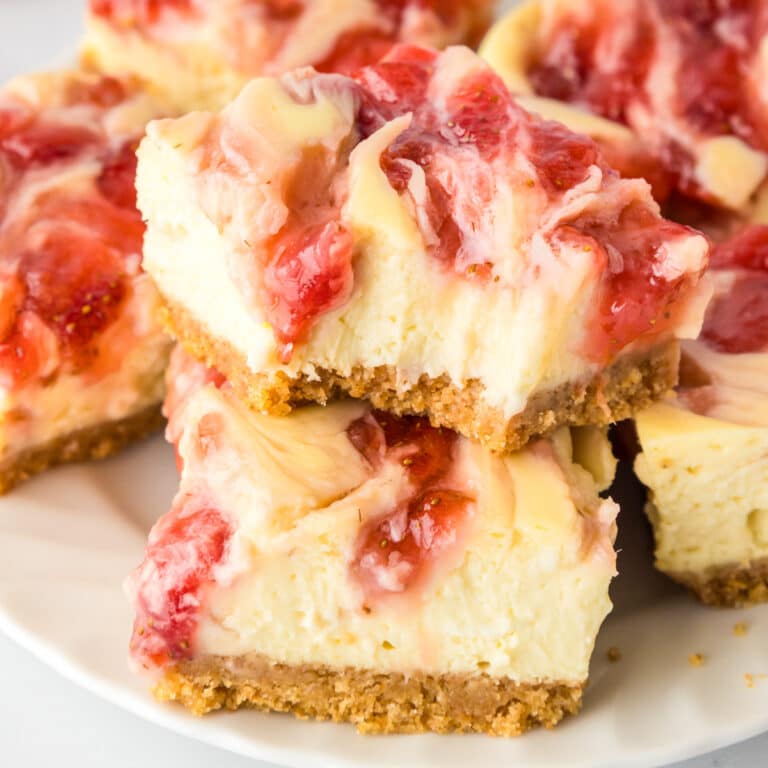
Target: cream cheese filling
x=709 y=487
x=524 y=598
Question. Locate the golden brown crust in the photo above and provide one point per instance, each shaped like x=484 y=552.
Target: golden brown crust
x=95 y=442
x=728 y=586
x=630 y=384
x=375 y=702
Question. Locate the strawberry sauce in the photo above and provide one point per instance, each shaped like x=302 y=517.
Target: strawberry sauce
x=69 y=264
x=460 y=143
x=185 y=546
x=737 y=320
x=396 y=551
x=605 y=64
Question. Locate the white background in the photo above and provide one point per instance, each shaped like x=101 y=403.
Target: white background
x=46 y=720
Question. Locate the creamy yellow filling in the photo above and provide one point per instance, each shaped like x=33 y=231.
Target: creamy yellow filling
x=524 y=595
x=708 y=480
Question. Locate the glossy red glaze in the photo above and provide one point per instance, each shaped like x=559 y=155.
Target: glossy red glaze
x=42 y=144
x=716 y=40
x=74 y=284
x=737 y=321
x=24 y=350
x=185 y=547
x=634 y=299
x=310 y=273
x=396 y=551
x=462 y=135
x=478 y=122
x=747 y=249
x=363 y=46
x=117 y=180
x=71 y=264
x=561 y=157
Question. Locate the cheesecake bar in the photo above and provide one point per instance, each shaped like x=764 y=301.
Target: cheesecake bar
x=705 y=451
x=688 y=79
x=412 y=236
x=342 y=563
x=81 y=355
x=199 y=53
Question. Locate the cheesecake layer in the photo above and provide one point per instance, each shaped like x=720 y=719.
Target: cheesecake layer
x=82 y=357
x=688 y=81
x=346 y=541
x=616 y=393
x=705 y=451
x=81 y=444
x=199 y=55
x=508 y=299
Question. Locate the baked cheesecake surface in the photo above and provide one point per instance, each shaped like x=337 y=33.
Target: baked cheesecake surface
x=688 y=79
x=81 y=355
x=345 y=545
x=704 y=453
x=199 y=53
x=413 y=236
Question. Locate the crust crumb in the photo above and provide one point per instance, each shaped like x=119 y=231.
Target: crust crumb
x=613 y=654
x=696 y=659
x=95 y=442
x=374 y=702
x=630 y=384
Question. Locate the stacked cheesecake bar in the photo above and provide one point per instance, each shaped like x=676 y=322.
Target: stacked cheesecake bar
x=405 y=306
x=82 y=357
x=682 y=86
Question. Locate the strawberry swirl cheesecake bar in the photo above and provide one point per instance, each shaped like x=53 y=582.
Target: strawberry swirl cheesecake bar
x=682 y=82
x=705 y=450
x=346 y=564
x=81 y=355
x=412 y=236
x=199 y=53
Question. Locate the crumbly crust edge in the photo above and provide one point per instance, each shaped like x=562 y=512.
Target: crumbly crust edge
x=95 y=442
x=630 y=384
x=727 y=586
x=374 y=702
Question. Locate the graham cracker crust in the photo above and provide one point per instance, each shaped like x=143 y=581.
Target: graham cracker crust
x=374 y=702
x=96 y=442
x=729 y=586
x=630 y=384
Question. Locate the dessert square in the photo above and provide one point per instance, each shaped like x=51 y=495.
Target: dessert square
x=82 y=356
x=705 y=451
x=412 y=236
x=686 y=78
x=198 y=54
x=342 y=563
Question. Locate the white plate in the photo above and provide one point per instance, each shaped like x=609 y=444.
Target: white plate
x=68 y=539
